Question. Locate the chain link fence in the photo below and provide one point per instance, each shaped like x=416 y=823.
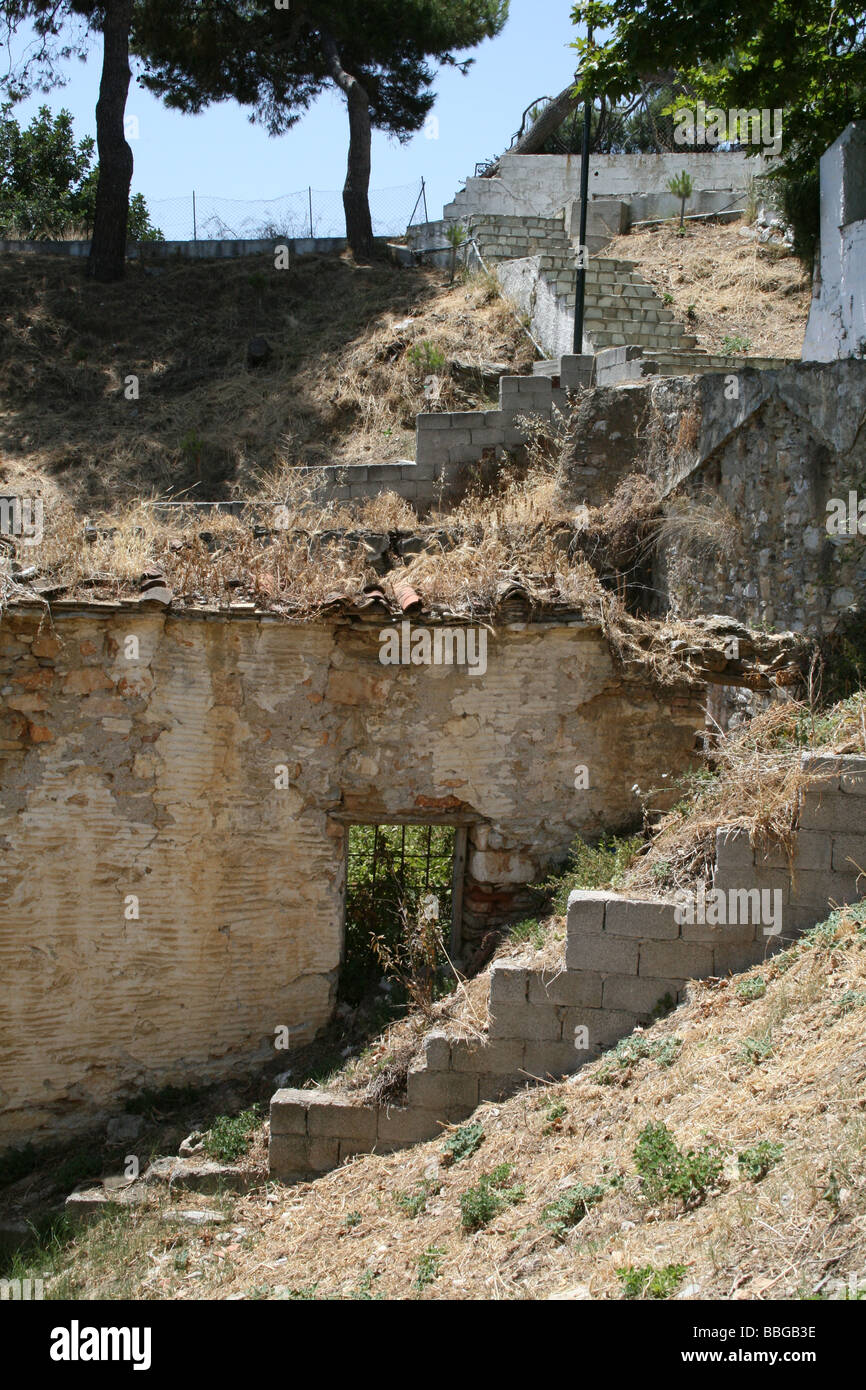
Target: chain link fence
x=310 y=212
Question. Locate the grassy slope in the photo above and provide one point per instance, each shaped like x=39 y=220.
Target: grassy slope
x=738 y=287
x=346 y=1235
x=341 y=385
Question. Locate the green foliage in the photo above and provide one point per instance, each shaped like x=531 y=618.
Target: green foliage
x=48 y=181
x=756 y=1162
x=644 y=1281
x=89 y=1163
x=850 y=1000
x=230 y=1136
x=429 y=1264
x=750 y=988
x=554 y=1115
x=426 y=357
x=570 y=1209
x=479 y=1204
x=667 y=1171
x=163 y=1099
x=353 y=1219
x=382 y=897
x=530 y=930
x=463 y=1143
x=600 y=865
x=735 y=344
x=636 y=1048
x=753 y=1051
x=799 y=197
x=805 y=57
x=413 y=1203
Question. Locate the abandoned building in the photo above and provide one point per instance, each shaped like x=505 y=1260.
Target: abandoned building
x=179 y=781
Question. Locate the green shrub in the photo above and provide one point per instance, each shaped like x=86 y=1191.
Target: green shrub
x=735 y=344
x=428 y=1266
x=643 y=1281
x=230 y=1136
x=755 y=1163
x=479 y=1204
x=602 y=865
x=413 y=1203
x=751 y=988
x=753 y=1051
x=426 y=357
x=463 y=1143
x=636 y=1048
x=569 y=1209
x=530 y=930
x=667 y=1171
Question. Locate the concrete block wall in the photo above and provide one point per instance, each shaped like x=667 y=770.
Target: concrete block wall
x=189 y=250
x=630 y=363
x=542 y=183
x=625 y=958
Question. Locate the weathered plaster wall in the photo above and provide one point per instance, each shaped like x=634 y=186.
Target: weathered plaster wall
x=154 y=776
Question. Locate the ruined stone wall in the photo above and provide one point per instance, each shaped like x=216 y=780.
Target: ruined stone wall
x=746 y=463
x=164 y=907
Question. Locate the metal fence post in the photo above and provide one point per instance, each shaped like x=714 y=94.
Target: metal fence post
x=310 y=193
x=194 y=227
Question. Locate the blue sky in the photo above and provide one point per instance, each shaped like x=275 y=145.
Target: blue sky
x=219 y=153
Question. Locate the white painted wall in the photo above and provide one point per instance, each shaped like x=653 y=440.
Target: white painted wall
x=541 y=183
x=837 y=317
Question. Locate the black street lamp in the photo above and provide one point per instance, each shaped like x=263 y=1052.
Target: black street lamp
x=580 y=288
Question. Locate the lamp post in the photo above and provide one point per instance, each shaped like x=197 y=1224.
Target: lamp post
x=580 y=288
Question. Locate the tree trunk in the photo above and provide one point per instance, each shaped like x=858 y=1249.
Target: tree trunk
x=356 y=189
x=108 y=245
x=549 y=121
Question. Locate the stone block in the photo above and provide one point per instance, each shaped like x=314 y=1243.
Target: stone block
x=848 y=854
x=323 y=1154
x=410 y=1125
x=534 y=1022
x=733 y=848
x=544 y=1059
x=827 y=810
x=569 y=987
x=337 y=1118
x=631 y=917
x=614 y=955
x=586 y=911
x=350 y=1148
x=820 y=890
x=675 y=960
x=499 y=1055
x=732 y=960
x=508 y=983
x=499 y=1087
x=289 y=1111
x=437 y=1051
x=636 y=994
x=605 y=1026
x=288 y=1156
x=440 y=1090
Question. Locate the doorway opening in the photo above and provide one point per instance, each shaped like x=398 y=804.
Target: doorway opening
x=400 y=877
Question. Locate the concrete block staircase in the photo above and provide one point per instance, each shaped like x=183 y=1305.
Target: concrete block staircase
x=620 y=307
x=625 y=957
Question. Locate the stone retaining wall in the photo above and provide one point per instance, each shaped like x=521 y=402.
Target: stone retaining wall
x=625 y=960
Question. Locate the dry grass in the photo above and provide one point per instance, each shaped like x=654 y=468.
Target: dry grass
x=738 y=287
x=787 y=1235
x=754 y=782
x=343 y=384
